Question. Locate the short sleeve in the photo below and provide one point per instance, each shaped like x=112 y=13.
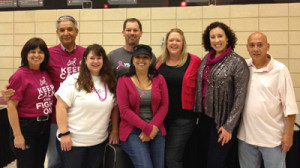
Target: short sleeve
x=16 y=83
x=67 y=90
x=287 y=93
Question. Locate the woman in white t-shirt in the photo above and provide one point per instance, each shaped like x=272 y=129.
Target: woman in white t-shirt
x=85 y=104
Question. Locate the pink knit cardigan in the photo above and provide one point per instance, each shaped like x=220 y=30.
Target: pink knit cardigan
x=129 y=105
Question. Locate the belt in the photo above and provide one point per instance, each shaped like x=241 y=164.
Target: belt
x=42 y=118
x=38 y=118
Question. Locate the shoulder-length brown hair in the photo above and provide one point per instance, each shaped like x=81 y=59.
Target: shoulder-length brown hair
x=106 y=73
x=32 y=44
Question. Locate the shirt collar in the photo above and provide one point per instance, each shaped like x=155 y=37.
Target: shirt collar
x=267 y=68
x=64 y=49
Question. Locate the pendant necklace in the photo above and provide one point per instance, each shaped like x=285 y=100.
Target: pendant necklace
x=100 y=98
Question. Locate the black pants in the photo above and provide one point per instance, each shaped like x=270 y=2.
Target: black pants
x=6 y=154
x=82 y=157
x=192 y=151
x=36 y=135
x=214 y=155
x=178 y=133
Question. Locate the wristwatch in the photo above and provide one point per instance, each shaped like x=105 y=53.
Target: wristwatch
x=63 y=134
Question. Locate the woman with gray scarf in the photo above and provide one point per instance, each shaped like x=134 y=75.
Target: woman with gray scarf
x=220 y=93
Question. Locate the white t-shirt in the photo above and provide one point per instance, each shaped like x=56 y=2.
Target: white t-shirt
x=88 y=117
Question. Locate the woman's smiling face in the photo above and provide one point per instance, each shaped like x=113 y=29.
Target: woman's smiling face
x=218 y=40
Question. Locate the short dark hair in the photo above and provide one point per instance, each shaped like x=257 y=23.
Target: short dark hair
x=106 y=73
x=229 y=34
x=132 y=20
x=32 y=44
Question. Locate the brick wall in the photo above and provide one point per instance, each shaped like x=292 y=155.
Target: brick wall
x=280 y=22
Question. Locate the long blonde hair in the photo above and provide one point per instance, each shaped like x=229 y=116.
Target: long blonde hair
x=166 y=53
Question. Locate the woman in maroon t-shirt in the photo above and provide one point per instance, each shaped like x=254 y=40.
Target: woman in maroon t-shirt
x=30 y=106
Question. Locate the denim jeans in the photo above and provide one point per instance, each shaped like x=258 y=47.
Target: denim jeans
x=82 y=157
x=145 y=154
x=36 y=135
x=54 y=161
x=178 y=133
x=250 y=156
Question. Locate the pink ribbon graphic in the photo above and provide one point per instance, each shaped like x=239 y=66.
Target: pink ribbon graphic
x=120 y=64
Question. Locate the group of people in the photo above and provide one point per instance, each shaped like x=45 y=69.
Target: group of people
x=153 y=104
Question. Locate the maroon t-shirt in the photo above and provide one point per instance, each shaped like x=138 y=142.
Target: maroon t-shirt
x=34 y=91
x=62 y=64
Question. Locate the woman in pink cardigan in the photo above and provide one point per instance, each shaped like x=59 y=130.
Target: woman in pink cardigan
x=143 y=103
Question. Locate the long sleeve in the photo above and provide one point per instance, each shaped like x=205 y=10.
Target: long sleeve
x=129 y=106
x=163 y=104
x=241 y=78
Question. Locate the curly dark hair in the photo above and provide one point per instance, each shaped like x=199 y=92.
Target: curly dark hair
x=229 y=34
x=106 y=73
x=32 y=44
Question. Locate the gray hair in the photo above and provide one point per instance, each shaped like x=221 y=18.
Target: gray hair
x=66 y=18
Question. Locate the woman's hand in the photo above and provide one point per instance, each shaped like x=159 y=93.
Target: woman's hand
x=66 y=143
x=19 y=142
x=154 y=132
x=143 y=137
x=113 y=138
x=224 y=136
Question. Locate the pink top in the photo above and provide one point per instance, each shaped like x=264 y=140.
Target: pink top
x=34 y=91
x=270 y=98
x=62 y=64
x=129 y=106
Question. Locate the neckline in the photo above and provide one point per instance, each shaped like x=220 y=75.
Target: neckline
x=137 y=86
x=32 y=70
x=141 y=89
x=98 y=94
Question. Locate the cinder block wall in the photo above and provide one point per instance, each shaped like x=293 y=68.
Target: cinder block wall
x=281 y=23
